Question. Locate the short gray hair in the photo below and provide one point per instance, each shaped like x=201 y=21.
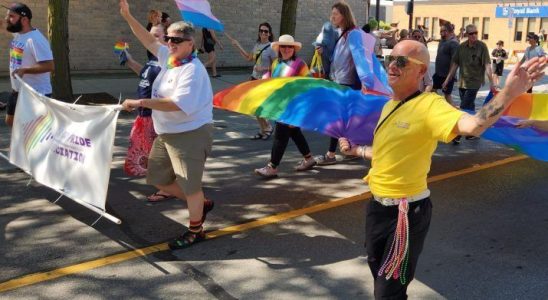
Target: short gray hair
x=183 y=27
x=470 y=26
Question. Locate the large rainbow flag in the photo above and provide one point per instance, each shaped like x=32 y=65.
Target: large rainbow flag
x=531 y=141
x=310 y=103
x=338 y=111
x=198 y=12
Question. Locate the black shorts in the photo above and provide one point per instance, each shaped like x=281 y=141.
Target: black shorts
x=209 y=47
x=12 y=101
x=498 y=68
x=438 y=82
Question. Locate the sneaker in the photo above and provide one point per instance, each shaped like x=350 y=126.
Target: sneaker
x=350 y=157
x=305 y=165
x=472 y=137
x=323 y=160
x=456 y=140
x=267 y=172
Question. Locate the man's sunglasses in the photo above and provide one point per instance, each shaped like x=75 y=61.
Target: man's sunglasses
x=472 y=33
x=175 y=39
x=401 y=61
x=264 y=31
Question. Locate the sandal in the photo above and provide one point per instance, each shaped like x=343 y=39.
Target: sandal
x=266 y=135
x=186 y=240
x=257 y=136
x=157 y=197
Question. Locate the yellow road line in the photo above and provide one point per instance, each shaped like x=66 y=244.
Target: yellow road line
x=117 y=258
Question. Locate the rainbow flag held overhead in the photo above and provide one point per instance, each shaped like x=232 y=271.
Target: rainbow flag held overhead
x=198 y=12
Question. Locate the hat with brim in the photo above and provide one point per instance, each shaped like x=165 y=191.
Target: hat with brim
x=286 y=40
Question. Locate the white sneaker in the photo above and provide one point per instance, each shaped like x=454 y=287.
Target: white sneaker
x=267 y=172
x=306 y=164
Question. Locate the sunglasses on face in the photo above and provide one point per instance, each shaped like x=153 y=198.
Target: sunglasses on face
x=286 y=47
x=401 y=61
x=417 y=37
x=264 y=31
x=472 y=33
x=175 y=39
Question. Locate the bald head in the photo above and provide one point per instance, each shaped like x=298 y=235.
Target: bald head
x=412 y=49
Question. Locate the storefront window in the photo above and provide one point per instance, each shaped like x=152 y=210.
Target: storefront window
x=485 y=29
x=465 y=21
x=518 y=35
x=435 y=28
x=532 y=25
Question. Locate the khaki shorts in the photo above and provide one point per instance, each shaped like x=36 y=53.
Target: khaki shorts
x=180 y=157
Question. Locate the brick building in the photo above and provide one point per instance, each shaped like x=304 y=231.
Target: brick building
x=96 y=25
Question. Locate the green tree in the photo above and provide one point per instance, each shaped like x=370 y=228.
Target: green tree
x=289 y=17
x=58 y=34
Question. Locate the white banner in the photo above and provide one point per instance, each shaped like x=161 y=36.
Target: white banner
x=66 y=147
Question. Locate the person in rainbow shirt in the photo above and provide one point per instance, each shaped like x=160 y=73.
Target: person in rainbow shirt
x=287 y=65
x=30 y=56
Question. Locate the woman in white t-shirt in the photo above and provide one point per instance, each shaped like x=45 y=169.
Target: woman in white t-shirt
x=262 y=55
x=182 y=112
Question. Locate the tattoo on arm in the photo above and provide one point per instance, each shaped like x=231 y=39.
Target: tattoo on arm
x=489 y=111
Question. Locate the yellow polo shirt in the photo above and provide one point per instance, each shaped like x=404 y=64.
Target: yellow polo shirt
x=404 y=144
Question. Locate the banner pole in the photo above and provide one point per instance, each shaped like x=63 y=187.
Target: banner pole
x=88 y=206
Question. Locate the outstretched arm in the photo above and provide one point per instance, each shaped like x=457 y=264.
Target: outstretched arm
x=522 y=77
x=236 y=44
x=542 y=125
x=145 y=37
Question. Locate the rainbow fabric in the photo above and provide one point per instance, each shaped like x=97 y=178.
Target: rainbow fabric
x=280 y=69
x=119 y=47
x=198 y=12
x=16 y=56
x=530 y=141
x=319 y=105
x=310 y=103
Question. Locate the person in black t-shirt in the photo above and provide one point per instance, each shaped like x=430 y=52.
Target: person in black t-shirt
x=499 y=55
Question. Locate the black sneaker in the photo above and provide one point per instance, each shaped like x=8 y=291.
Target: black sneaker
x=456 y=141
x=472 y=137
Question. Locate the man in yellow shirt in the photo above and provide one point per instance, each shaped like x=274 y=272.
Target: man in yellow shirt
x=410 y=126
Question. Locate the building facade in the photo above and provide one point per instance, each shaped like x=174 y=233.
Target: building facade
x=509 y=21
x=94 y=27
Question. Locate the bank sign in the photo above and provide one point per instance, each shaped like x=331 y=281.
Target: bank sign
x=522 y=12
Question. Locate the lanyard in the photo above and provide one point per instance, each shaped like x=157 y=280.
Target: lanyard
x=415 y=94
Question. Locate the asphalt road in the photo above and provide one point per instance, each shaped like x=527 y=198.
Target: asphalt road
x=487 y=240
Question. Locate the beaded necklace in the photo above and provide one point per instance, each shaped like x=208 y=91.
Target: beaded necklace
x=173 y=62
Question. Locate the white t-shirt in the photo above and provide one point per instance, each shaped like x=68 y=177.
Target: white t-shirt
x=189 y=87
x=26 y=50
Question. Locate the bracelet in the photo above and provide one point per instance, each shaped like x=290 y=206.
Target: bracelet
x=362 y=152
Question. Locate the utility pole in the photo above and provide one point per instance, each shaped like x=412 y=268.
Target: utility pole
x=409 y=10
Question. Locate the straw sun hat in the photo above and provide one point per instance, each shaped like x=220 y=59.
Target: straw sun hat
x=287 y=40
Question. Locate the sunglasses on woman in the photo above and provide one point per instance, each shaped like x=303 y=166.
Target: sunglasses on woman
x=263 y=31
x=401 y=61
x=175 y=39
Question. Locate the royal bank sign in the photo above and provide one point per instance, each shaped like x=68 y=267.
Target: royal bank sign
x=522 y=12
